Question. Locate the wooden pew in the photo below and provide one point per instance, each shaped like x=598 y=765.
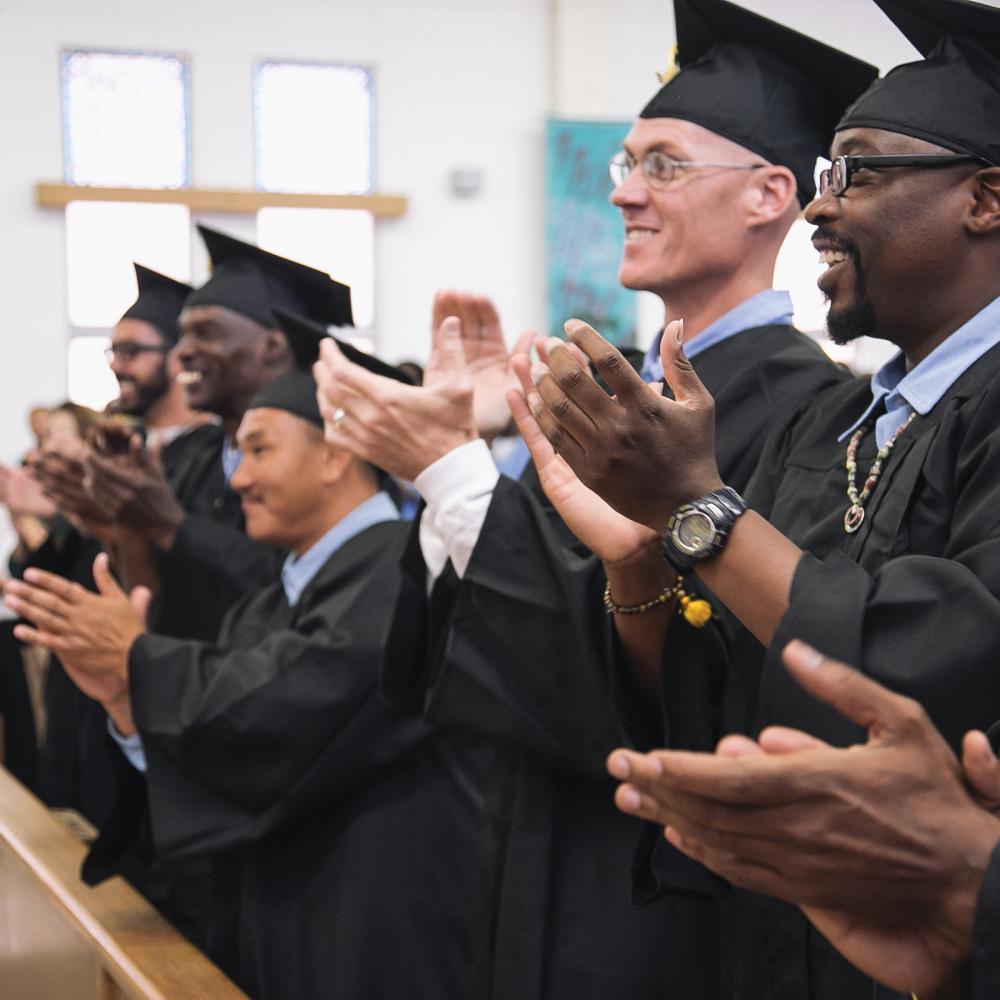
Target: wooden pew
x=63 y=940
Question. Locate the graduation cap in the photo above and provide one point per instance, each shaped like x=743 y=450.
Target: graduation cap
x=951 y=97
x=254 y=282
x=767 y=88
x=159 y=302
x=296 y=390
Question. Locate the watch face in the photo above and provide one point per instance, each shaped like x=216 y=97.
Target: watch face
x=695 y=533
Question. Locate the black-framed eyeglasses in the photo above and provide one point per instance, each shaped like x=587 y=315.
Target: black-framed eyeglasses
x=837 y=179
x=129 y=351
x=660 y=169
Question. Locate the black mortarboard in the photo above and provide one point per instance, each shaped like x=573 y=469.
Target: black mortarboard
x=304 y=337
x=296 y=391
x=159 y=302
x=951 y=97
x=770 y=89
x=254 y=282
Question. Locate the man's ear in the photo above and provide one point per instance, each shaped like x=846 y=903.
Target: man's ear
x=274 y=350
x=336 y=463
x=984 y=215
x=772 y=192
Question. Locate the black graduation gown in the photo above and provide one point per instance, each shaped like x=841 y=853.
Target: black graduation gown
x=354 y=848
x=520 y=651
x=75 y=769
x=178 y=453
x=212 y=562
x=986 y=938
x=20 y=750
x=912 y=599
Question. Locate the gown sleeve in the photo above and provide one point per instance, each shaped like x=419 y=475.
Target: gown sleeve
x=490 y=666
x=239 y=740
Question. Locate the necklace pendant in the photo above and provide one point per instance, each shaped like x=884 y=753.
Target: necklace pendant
x=854 y=518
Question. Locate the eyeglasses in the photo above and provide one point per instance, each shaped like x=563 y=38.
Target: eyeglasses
x=837 y=179
x=129 y=351
x=660 y=169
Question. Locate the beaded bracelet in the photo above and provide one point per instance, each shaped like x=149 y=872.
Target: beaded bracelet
x=696 y=611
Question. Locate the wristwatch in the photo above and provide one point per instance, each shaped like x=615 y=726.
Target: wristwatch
x=699 y=530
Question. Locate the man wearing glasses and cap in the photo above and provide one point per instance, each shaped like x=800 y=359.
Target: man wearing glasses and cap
x=711 y=179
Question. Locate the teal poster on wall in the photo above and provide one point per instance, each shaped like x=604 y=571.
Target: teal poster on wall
x=584 y=231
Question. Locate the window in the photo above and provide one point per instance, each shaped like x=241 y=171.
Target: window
x=91 y=382
x=125 y=124
x=125 y=119
x=313 y=126
x=313 y=133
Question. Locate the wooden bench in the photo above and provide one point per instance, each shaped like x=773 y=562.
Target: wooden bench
x=63 y=940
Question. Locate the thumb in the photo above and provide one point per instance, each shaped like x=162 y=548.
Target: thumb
x=107 y=585
x=678 y=372
x=448 y=345
x=847 y=690
x=140 y=599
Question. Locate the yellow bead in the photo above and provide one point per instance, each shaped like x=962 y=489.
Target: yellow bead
x=697 y=613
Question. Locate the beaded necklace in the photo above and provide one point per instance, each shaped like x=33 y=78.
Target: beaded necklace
x=855 y=515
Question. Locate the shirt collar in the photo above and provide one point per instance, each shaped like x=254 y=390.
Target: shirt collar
x=922 y=388
x=768 y=308
x=231 y=458
x=298 y=571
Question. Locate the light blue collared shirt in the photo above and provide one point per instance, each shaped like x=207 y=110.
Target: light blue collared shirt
x=296 y=575
x=767 y=308
x=510 y=455
x=920 y=389
x=298 y=571
x=231 y=458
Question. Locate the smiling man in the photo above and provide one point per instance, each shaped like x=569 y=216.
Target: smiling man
x=351 y=845
x=231 y=346
x=141 y=361
x=871 y=529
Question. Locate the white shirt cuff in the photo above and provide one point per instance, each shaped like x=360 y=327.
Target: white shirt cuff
x=458 y=488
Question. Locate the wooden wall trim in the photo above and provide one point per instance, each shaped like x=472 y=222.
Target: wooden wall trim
x=219 y=201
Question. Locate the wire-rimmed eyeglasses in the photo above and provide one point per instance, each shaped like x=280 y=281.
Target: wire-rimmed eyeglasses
x=660 y=169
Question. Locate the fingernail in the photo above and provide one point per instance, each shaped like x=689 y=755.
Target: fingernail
x=811 y=658
x=680 y=333
x=31 y=575
x=629 y=799
x=618 y=767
